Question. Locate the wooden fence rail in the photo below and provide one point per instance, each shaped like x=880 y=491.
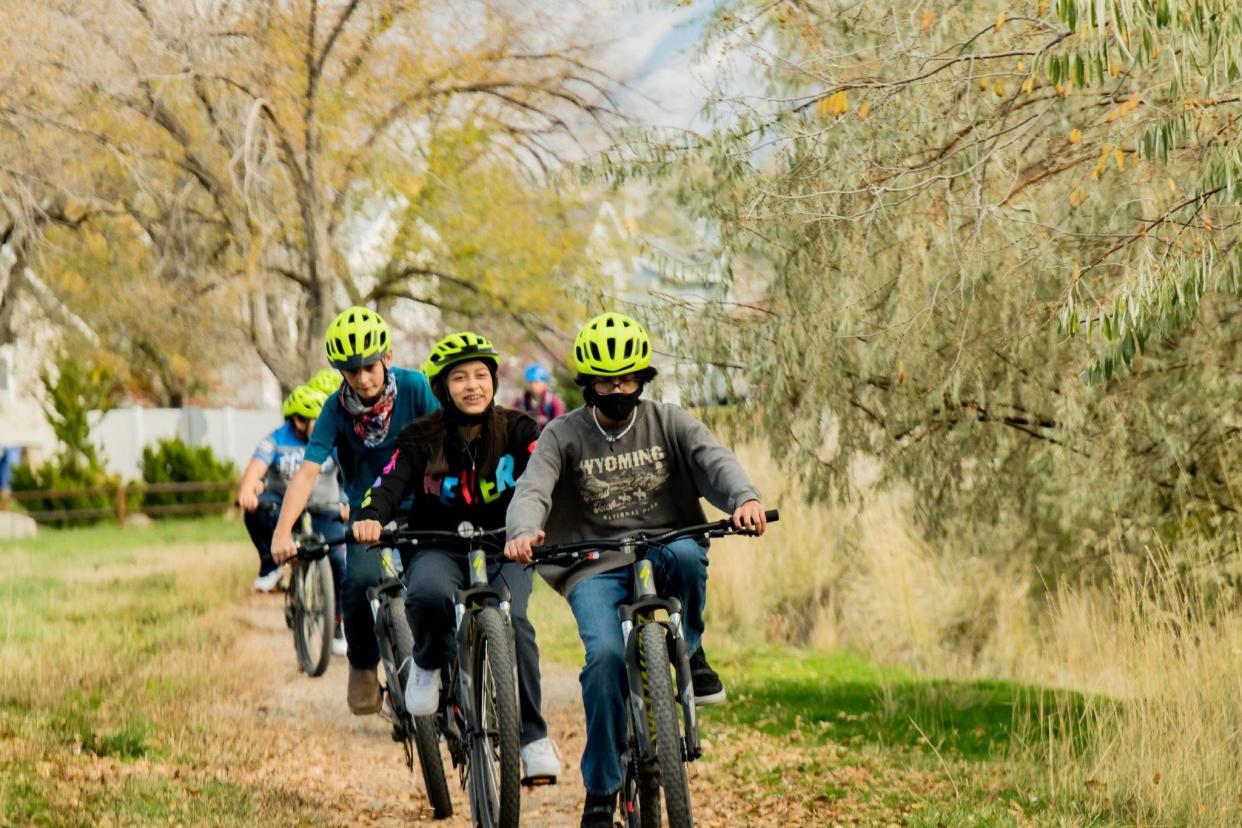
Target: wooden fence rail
x=118 y=493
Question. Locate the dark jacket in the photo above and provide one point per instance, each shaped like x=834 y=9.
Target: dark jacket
x=464 y=494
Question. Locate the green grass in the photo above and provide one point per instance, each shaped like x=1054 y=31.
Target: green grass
x=82 y=543
x=107 y=638
x=935 y=752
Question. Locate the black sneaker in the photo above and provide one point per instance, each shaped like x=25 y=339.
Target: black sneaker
x=707 y=686
x=598 y=811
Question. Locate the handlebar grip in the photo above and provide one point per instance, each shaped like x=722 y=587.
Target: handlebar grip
x=772 y=515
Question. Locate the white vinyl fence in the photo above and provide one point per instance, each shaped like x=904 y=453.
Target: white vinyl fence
x=232 y=433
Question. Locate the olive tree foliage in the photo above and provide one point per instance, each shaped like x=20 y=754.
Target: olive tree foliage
x=235 y=140
x=995 y=248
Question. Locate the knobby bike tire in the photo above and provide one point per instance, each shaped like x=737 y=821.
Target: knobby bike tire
x=664 y=714
x=314 y=604
x=426 y=738
x=495 y=704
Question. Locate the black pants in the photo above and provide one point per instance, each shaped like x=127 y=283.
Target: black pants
x=261 y=523
x=431 y=577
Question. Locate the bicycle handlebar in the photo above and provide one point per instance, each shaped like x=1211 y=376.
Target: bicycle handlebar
x=465 y=533
x=590 y=549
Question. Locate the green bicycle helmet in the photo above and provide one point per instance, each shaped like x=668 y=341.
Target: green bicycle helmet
x=462 y=346
x=304 y=401
x=358 y=337
x=326 y=381
x=611 y=345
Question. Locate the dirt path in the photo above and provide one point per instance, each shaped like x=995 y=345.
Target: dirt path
x=350 y=763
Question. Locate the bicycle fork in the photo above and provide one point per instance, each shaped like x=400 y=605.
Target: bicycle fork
x=633 y=616
x=464 y=602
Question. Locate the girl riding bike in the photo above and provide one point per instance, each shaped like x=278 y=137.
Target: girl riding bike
x=461 y=464
x=617 y=466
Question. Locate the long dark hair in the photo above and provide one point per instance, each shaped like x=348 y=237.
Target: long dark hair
x=434 y=437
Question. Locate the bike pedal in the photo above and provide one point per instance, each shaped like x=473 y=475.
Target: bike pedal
x=538 y=781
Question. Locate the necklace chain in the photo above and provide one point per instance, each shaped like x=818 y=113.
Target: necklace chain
x=610 y=437
x=465 y=446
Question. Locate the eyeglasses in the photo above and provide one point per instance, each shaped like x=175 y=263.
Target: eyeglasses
x=606 y=385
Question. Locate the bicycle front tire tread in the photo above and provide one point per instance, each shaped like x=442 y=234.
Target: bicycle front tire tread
x=496 y=640
x=667 y=736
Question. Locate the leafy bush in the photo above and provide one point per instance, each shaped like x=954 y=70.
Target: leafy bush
x=73 y=388
x=172 y=461
x=60 y=476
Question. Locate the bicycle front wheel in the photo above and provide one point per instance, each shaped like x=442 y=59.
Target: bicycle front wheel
x=314 y=615
x=495 y=758
x=663 y=724
x=426 y=736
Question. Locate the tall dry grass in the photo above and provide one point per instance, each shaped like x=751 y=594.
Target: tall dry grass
x=1158 y=740
x=863 y=579
x=1155 y=737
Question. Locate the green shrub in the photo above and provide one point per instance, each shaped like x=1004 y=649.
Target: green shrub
x=59 y=476
x=172 y=461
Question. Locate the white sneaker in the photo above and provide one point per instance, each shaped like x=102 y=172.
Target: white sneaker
x=339 y=645
x=422 y=691
x=541 y=762
x=268 y=582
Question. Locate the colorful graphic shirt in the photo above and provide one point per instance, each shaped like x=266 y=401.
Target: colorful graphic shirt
x=464 y=494
x=361 y=464
x=282 y=452
x=579 y=486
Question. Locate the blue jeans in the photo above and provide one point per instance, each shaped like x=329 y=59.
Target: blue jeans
x=681 y=572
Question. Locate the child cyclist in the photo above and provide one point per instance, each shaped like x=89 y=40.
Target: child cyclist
x=263 y=486
x=360 y=422
x=459 y=464
x=537 y=399
x=619 y=465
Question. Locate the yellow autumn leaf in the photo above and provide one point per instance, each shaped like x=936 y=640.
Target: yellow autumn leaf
x=929 y=19
x=1113 y=69
x=1119 y=157
x=1000 y=20
x=1075 y=135
x=998 y=88
x=1172 y=186
x=834 y=104
x=1028 y=85
x=864 y=110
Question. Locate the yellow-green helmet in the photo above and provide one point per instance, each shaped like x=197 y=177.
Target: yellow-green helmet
x=327 y=381
x=358 y=337
x=462 y=346
x=304 y=401
x=611 y=345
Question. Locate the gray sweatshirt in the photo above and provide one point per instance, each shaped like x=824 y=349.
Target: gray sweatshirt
x=577 y=486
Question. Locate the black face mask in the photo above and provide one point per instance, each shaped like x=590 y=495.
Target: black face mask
x=616 y=407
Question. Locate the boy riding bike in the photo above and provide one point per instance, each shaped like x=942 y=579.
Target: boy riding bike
x=266 y=479
x=360 y=423
x=459 y=464
x=619 y=465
